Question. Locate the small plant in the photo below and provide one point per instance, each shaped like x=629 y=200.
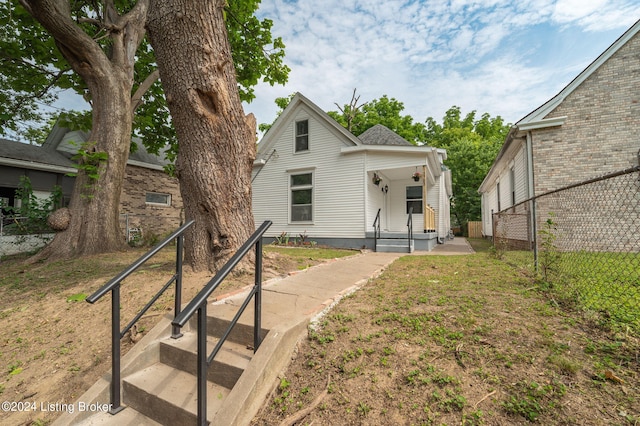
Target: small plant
x=549 y=256
x=363 y=408
x=282 y=239
x=90 y=161
x=284 y=384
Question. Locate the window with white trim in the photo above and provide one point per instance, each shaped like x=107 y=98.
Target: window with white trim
x=414 y=199
x=302 y=136
x=158 y=199
x=301 y=197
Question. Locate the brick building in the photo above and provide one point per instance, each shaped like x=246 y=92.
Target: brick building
x=590 y=129
x=150 y=201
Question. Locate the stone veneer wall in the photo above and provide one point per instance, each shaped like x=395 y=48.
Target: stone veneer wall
x=153 y=219
x=601 y=134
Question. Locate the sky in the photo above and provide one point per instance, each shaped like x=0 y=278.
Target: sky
x=504 y=58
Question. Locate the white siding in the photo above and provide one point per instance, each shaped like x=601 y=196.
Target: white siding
x=338 y=193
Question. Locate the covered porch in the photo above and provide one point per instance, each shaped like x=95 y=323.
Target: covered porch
x=402 y=208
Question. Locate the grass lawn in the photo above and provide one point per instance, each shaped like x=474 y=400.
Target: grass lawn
x=458 y=340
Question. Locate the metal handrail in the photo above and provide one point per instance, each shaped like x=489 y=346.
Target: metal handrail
x=410 y=227
x=199 y=305
x=376 y=231
x=113 y=286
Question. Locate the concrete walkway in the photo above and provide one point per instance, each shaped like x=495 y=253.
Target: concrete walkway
x=303 y=294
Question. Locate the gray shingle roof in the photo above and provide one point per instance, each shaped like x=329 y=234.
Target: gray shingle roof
x=381 y=135
x=32 y=153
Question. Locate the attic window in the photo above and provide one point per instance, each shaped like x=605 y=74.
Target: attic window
x=302 y=135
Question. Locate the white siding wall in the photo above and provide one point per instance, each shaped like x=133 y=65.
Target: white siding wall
x=338 y=195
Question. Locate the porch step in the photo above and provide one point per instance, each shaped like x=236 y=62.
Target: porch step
x=225 y=370
x=169 y=396
x=394 y=245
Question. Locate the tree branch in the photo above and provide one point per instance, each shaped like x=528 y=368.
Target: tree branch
x=136 y=99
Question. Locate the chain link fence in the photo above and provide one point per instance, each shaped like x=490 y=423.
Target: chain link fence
x=585 y=242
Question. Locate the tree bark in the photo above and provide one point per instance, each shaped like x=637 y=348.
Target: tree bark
x=94 y=226
x=216 y=141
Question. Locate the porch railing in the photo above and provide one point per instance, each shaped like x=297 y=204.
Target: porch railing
x=199 y=305
x=113 y=286
x=376 y=231
x=410 y=227
x=429 y=219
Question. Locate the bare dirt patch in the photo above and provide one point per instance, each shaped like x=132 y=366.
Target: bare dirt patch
x=54 y=346
x=457 y=340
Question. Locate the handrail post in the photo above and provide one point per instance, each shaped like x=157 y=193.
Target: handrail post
x=410 y=227
x=115 y=351
x=202 y=364
x=257 y=312
x=175 y=330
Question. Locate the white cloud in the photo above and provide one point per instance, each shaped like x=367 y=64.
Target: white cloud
x=481 y=55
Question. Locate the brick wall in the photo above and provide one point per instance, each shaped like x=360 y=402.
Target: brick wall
x=154 y=219
x=602 y=131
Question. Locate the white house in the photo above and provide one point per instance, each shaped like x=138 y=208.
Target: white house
x=589 y=129
x=312 y=177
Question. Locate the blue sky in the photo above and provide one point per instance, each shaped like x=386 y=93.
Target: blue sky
x=501 y=57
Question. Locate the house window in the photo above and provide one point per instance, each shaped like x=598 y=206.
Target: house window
x=414 y=199
x=498 y=195
x=512 y=179
x=158 y=199
x=302 y=135
x=302 y=197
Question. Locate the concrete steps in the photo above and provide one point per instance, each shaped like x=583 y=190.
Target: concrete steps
x=165 y=392
x=395 y=245
x=169 y=396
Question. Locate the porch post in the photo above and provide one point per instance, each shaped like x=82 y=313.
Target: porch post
x=424 y=198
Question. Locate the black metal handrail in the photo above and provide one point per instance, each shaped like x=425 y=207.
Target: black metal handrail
x=113 y=286
x=410 y=227
x=199 y=305
x=376 y=231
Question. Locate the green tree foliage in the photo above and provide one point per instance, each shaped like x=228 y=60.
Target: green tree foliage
x=472 y=145
x=386 y=111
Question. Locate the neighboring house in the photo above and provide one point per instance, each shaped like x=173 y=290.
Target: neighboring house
x=589 y=129
x=313 y=178
x=150 y=201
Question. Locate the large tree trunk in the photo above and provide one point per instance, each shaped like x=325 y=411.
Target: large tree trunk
x=216 y=142
x=94 y=226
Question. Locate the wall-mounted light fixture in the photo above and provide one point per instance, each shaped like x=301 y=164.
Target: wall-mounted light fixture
x=385 y=189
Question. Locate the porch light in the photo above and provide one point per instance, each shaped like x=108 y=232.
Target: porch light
x=385 y=189
x=376 y=179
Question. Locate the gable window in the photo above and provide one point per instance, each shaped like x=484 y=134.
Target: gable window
x=302 y=135
x=414 y=199
x=302 y=197
x=158 y=199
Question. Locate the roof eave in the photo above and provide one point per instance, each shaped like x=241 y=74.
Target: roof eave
x=32 y=165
